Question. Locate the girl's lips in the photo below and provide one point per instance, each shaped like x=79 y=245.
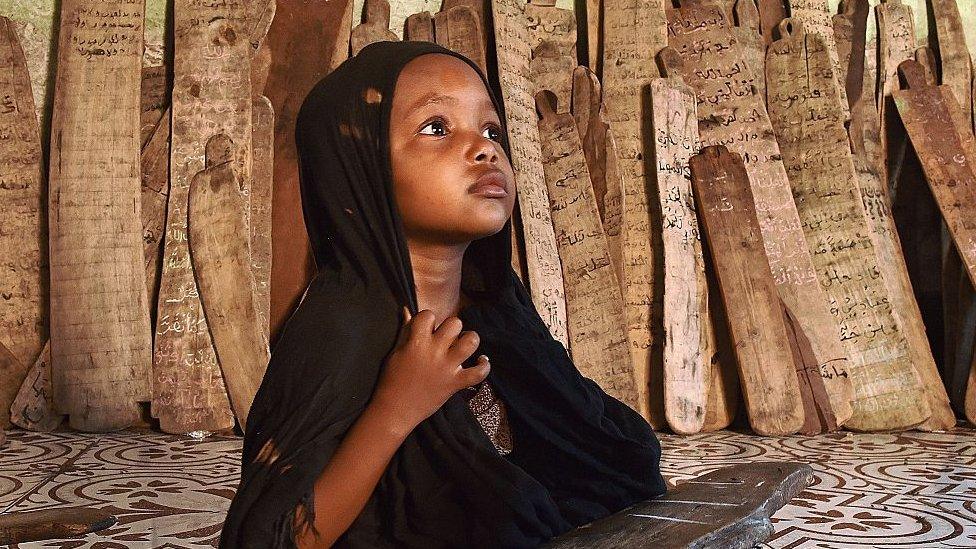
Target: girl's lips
x=490 y=185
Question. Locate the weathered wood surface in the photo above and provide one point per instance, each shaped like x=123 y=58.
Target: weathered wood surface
x=766 y=370
x=594 y=304
x=815 y=16
x=771 y=12
x=73 y=522
x=956 y=65
x=724 y=393
x=681 y=289
x=211 y=94
x=553 y=71
x=969 y=407
x=262 y=181
x=100 y=346
x=818 y=417
x=634 y=31
x=728 y=508
x=374 y=28
x=419 y=27
x=154 y=99
x=807 y=114
x=542 y=259
x=33 y=407
x=223 y=266
x=154 y=173
x=546 y=22
x=863 y=131
x=896 y=43
x=730 y=114
x=751 y=42
x=458 y=29
x=307 y=39
x=23 y=234
x=480 y=8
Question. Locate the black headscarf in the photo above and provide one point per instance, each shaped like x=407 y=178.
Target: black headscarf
x=578 y=454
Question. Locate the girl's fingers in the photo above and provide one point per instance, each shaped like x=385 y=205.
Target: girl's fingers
x=448 y=330
x=475 y=374
x=466 y=344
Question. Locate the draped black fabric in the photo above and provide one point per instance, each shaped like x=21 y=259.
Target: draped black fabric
x=578 y=454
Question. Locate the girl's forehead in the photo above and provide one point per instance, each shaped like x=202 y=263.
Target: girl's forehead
x=441 y=72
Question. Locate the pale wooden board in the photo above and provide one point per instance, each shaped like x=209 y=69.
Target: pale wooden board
x=634 y=31
x=956 y=65
x=419 y=27
x=751 y=42
x=154 y=173
x=154 y=99
x=374 y=28
x=818 y=417
x=541 y=256
x=807 y=114
x=815 y=15
x=864 y=128
x=765 y=360
x=553 y=71
x=682 y=287
x=23 y=236
x=730 y=114
x=556 y=25
x=262 y=179
x=211 y=94
x=100 y=346
x=896 y=43
x=594 y=304
x=305 y=45
x=480 y=8
x=33 y=408
x=459 y=29
x=728 y=508
x=224 y=270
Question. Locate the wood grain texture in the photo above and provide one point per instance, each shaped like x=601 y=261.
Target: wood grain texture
x=552 y=24
x=23 y=234
x=553 y=71
x=807 y=114
x=419 y=27
x=33 y=407
x=815 y=15
x=374 y=28
x=766 y=369
x=224 y=272
x=681 y=289
x=594 y=304
x=730 y=114
x=896 y=43
x=211 y=94
x=154 y=174
x=100 y=345
x=956 y=70
x=634 y=31
x=26 y=526
x=850 y=32
x=771 y=12
x=459 y=29
x=259 y=221
x=751 y=42
x=154 y=99
x=541 y=256
x=307 y=39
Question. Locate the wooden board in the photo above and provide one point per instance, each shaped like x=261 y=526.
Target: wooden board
x=23 y=236
x=634 y=31
x=459 y=29
x=771 y=12
x=751 y=42
x=211 y=93
x=154 y=99
x=553 y=71
x=307 y=39
x=681 y=289
x=728 y=508
x=807 y=114
x=542 y=259
x=766 y=369
x=419 y=27
x=815 y=15
x=154 y=172
x=72 y=522
x=850 y=34
x=100 y=345
x=730 y=114
x=891 y=260
x=222 y=264
x=552 y=24
x=375 y=26
x=594 y=304
x=480 y=8
x=969 y=408
x=262 y=180
x=896 y=43
x=956 y=66
x=33 y=408
x=724 y=394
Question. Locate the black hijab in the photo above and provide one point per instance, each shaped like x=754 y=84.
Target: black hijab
x=578 y=453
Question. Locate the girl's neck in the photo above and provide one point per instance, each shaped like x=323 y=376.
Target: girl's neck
x=437 y=277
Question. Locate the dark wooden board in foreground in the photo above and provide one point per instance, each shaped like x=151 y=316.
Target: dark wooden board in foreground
x=52 y=524
x=727 y=508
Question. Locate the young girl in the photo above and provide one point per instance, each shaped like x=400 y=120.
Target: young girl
x=415 y=398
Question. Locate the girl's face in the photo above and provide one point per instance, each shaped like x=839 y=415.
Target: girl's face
x=451 y=178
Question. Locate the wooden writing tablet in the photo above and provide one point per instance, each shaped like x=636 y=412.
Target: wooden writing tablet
x=259 y=221
x=33 y=408
x=816 y=18
x=374 y=28
x=459 y=29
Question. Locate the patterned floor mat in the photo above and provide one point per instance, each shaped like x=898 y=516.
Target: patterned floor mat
x=879 y=490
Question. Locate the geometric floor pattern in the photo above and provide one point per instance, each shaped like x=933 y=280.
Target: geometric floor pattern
x=893 y=491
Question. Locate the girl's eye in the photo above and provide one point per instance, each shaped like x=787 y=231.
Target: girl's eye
x=493 y=132
x=435 y=127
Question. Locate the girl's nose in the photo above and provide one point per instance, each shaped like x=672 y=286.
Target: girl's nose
x=484 y=150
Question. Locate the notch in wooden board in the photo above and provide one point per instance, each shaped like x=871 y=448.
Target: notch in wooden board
x=766 y=368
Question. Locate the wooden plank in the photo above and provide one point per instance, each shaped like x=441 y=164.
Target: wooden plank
x=728 y=508
x=211 y=93
x=222 y=264
x=459 y=29
x=682 y=288
x=73 y=522
x=634 y=32
x=766 y=370
x=375 y=26
x=724 y=394
x=33 y=408
x=730 y=114
x=751 y=42
x=154 y=173
x=542 y=259
x=546 y=22
x=850 y=32
x=23 y=236
x=896 y=43
x=891 y=260
x=594 y=304
x=818 y=417
x=154 y=99
x=815 y=15
x=262 y=182
x=807 y=114
x=100 y=345
x=480 y=8
x=771 y=12
x=419 y=27
x=553 y=71
x=969 y=407
x=956 y=68
x=307 y=39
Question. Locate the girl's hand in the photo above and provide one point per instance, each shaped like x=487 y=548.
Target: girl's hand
x=424 y=369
